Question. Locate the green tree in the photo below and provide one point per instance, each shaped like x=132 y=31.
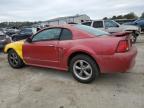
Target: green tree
x=16 y=24
x=105 y=18
x=114 y=17
x=130 y=15
x=119 y=17
x=142 y=15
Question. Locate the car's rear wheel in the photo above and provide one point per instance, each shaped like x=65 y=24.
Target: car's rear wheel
x=84 y=68
x=14 y=60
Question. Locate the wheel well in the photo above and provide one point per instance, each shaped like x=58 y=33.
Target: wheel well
x=9 y=50
x=83 y=53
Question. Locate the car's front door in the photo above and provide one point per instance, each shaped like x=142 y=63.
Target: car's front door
x=43 y=50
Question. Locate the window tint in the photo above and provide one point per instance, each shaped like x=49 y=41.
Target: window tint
x=91 y=30
x=110 y=24
x=87 y=23
x=66 y=35
x=98 y=24
x=49 y=34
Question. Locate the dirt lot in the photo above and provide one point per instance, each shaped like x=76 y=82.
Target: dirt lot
x=33 y=87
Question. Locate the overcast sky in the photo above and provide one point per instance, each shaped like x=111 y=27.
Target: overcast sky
x=41 y=10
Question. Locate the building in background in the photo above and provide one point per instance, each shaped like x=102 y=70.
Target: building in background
x=64 y=20
x=69 y=19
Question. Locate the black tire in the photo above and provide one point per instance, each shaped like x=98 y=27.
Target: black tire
x=92 y=64
x=14 y=60
x=134 y=37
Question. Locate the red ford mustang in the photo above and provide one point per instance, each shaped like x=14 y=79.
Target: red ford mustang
x=84 y=51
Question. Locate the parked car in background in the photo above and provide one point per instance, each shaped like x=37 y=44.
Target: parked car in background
x=84 y=51
x=4 y=39
x=11 y=31
x=4 y=30
x=113 y=27
x=24 y=33
x=139 y=23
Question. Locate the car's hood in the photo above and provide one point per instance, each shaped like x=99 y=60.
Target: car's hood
x=128 y=23
x=130 y=27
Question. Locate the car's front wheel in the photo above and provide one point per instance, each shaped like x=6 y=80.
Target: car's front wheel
x=14 y=60
x=84 y=68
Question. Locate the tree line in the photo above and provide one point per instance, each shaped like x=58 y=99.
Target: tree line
x=16 y=24
x=130 y=15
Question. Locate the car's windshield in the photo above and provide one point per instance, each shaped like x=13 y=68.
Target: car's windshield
x=91 y=30
x=26 y=31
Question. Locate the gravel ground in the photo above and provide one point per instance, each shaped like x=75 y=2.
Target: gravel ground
x=33 y=87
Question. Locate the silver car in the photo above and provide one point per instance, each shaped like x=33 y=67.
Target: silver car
x=112 y=27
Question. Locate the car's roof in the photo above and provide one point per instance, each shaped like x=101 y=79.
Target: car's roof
x=61 y=26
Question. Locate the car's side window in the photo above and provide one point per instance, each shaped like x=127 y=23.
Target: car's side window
x=48 y=34
x=87 y=23
x=22 y=31
x=110 y=24
x=98 y=24
x=66 y=35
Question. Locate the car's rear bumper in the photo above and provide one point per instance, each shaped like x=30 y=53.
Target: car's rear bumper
x=119 y=62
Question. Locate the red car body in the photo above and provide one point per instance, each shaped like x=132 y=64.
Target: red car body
x=103 y=49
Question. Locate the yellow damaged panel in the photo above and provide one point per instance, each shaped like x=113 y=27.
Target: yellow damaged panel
x=17 y=46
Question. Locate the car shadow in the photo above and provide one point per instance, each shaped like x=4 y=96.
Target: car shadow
x=52 y=72
x=103 y=79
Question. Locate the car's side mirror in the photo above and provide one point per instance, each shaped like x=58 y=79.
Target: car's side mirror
x=29 y=40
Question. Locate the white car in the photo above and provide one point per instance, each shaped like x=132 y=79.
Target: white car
x=112 y=27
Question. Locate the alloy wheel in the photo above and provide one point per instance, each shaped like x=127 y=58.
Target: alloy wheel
x=82 y=69
x=13 y=58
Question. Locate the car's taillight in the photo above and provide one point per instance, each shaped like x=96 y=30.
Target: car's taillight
x=123 y=46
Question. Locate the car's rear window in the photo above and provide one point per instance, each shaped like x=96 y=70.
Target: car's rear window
x=91 y=30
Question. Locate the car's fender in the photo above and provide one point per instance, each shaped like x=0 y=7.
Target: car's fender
x=129 y=28
x=17 y=46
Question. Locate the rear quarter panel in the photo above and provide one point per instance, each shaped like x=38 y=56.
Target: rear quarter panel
x=95 y=47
